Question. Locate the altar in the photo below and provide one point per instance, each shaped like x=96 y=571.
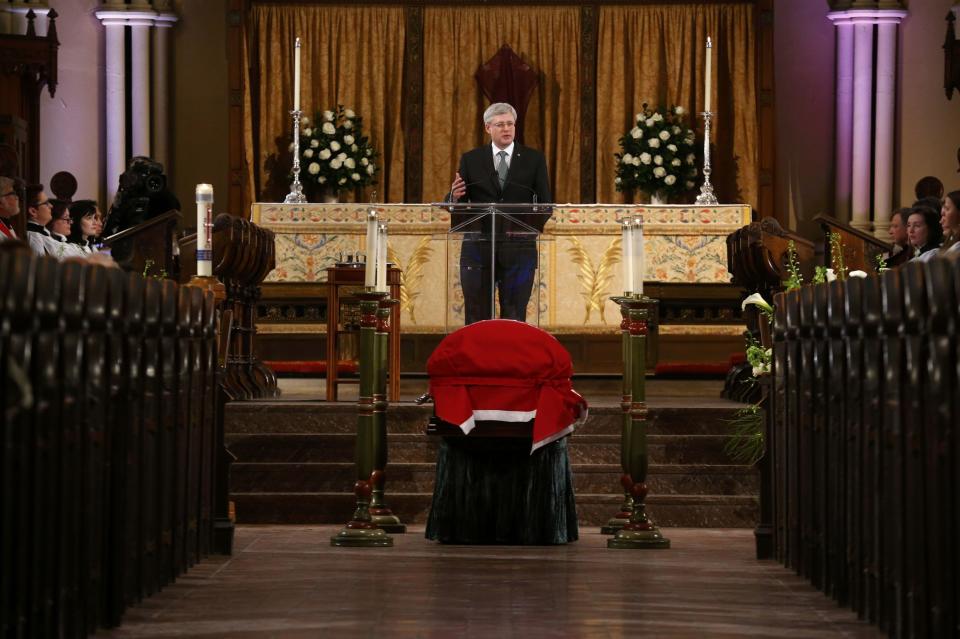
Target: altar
x=579 y=264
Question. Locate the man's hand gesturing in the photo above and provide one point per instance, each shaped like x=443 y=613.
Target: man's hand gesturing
x=459 y=188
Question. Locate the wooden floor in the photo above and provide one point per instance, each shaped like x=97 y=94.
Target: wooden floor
x=287 y=581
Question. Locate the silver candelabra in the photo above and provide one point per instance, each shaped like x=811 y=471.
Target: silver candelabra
x=706 y=196
x=296 y=196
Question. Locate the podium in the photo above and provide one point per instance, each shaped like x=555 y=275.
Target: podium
x=493 y=253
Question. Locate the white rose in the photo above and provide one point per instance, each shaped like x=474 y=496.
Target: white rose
x=355 y=177
x=341 y=156
x=308 y=153
x=654 y=143
x=348 y=124
x=679 y=110
x=617 y=180
x=349 y=113
x=664 y=135
x=636 y=161
x=638 y=118
x=627 y=158
x=689 y=184
x=334 y=145
x=336 y=163
x=314 y=143
x=290 y=147
x=658 y=160
x=349 y=163
x=672 y=148
x=364 y=161
x=324 y=154
x=676 y=162
x=348 y=139
x=307 y=132
x=857 y=274
x=342 y=181
x=353 y=147
x=328 y=116
x=321 y=180
x=313 y=168
x=369 y=151
x=636 y=133
x=305 y=120
x=370 y=169
x=645 y=158
x=670 y=180
x=691 y=158
x=659 y=172
x=676 y=130
x=688 y=140
x=328 y=128
x=650 y=122
x=656 y=117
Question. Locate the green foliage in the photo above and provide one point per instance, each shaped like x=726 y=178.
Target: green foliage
x=746 y=443
x=334 y=152
x=658 y=154
x=794 y=277
x=881 y=263
x=160 y=275
x=837 y=260
x=819 y=274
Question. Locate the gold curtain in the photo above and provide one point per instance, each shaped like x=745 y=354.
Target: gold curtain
x=351 y=56
x=655 y=54
x=456 y=41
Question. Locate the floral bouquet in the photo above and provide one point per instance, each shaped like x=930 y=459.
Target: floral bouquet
x=335 y=154
x=659 y=154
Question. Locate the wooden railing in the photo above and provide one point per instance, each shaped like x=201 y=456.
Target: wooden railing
x=113 y=474
x=863 y=444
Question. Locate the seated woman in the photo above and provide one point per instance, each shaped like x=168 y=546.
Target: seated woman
x=923 y=231
x=950 y=223
x=59 y=228
x=85 y=225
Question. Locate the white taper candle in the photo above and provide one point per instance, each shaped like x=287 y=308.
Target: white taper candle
x=204 y=228
x=626 y=243
x=370 y=272
x=708 y=74
x=382 y=258
x=296 y=76
x=638 y=257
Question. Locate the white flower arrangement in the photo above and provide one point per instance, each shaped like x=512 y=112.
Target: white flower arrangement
x=334 y=147
x=658 y=139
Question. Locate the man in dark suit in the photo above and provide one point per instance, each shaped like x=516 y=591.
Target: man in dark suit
x=499 y=248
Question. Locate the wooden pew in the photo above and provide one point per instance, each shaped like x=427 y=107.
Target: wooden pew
x=150 y=243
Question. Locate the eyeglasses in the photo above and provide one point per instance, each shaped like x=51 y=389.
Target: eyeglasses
x=46 y=203
x=68 y=220
x=503 y=125
x=13 y=193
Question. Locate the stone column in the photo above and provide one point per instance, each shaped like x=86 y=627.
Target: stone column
x=161 y=88
x=116 y=102
x=140 y=83
x=884 y=126
x=844 y=120
x=862 y=124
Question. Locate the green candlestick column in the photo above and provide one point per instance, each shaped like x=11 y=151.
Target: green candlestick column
x=380 y=513
x=361 y=531
x=619 y=520
x=639 y=532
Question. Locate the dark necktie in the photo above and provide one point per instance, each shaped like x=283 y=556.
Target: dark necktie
x=502 y=168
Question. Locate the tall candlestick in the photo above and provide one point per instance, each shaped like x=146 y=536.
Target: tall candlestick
x=204 y=230
x=638 y=264
x=626 y=243
x=382 y=259
x=296 y=76
x=709 y=77
x=370 y=272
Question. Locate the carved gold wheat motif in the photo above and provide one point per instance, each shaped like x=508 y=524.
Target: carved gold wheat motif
x=411 y=275
x=595 y=282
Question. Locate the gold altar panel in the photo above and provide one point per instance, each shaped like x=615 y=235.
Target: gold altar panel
x=579 y=257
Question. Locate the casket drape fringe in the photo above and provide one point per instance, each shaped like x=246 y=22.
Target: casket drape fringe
x=493 y=491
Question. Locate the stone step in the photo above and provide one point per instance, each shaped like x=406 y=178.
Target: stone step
x=414 y=448
x=714 y=511
x=324 y=417
x=663 y=479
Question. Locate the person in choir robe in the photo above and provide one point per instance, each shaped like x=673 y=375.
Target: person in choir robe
x=923 y=231
x=9 y=208
x=87 y=222
x=950 y=223
x=39 y=214
x=59 y=228
x=502 y=171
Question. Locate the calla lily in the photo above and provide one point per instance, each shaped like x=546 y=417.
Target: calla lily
x=857 y=274
x=757 y=300
x=831 y=276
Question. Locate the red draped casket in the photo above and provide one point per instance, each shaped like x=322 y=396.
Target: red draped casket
x=507 y=371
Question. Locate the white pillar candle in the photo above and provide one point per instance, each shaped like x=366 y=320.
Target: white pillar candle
x=382 y=258
x=626 y=244
x=370 y=273
x=638 y=264
x=296 y=76
x=709 y=78
x=204 y=230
